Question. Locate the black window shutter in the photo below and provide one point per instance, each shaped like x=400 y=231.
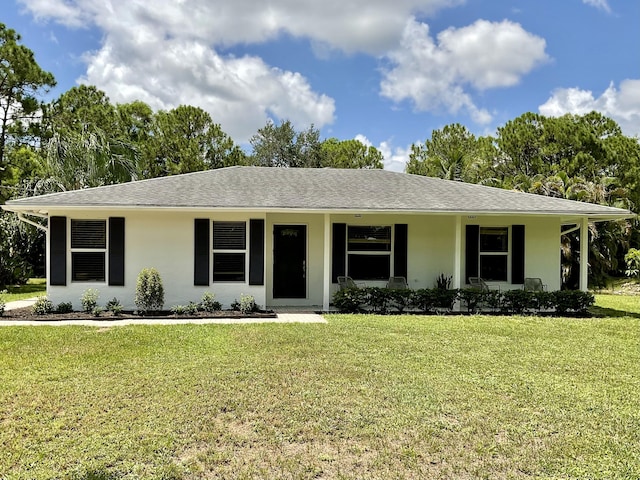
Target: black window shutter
x=256 y=252
x=472 y=243
x=116 y=251
x=517 y=254
x=339 y=251
x=400 y=250
x=58 y=250
x=201 y=252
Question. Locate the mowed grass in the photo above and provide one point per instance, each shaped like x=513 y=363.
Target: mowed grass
x=359 y=397
x=33 y=288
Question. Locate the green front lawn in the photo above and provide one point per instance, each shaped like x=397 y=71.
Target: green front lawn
x=33 y=288
x=359 y=397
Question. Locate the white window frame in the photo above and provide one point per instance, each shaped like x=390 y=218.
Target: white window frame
x=229 y=250
x=388 y=253
x=506 y=254
x=104 y=250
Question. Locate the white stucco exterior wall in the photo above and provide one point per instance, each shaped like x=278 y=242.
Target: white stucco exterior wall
x=165 y=240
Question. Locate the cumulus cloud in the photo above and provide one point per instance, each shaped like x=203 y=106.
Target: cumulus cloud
x=601 y=4
x=437 y=74
x=371 y=26
x=239 y=92
x=621 y=104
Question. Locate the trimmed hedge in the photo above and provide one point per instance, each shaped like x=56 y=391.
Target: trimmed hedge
x=436 y=300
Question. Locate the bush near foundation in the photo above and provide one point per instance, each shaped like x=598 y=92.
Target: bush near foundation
x=434 y=300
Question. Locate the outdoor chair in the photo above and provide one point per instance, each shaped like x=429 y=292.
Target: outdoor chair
x=397 y=283
x=478 y=283
x=534 y=285
x=347 y=282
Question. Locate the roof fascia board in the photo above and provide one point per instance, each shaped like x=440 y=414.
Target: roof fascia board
x=594 y=217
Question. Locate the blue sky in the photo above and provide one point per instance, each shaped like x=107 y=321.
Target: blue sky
x=386 y=72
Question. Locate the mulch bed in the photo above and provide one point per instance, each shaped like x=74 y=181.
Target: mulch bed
x=27 y=314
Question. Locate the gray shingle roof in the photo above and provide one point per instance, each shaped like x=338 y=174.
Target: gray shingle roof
x=327 y=189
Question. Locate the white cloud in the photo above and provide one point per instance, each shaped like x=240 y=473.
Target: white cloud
x=239 y=92
x=393 y=158
x=601 y=4
x=371 y=26
x=622 y=105
x=168 y=53
x=436 y=75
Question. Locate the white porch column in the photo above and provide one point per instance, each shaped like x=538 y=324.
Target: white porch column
x=457 y=258
x=584 y=254
x=326 y=288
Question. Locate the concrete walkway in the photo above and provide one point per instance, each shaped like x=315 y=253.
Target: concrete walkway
x=280 y=318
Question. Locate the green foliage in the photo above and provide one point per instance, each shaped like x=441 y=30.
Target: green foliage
x=185 y=140
x=97 y=311
x=572 y=301
x=149 y=291
x=42 y=306
x=443 y=282
x=349 y=300
x=3 y=303
x=114 y=306
x=64 y=307
x=473 y=299
x=209 y=304
x=350 y=154
x=632 y=259
x=247 y=304
x=15 y=247
x=516 y=301
x=400 y=298
x=190 y=309
x=435 y=300
x=89 y=299
x=281 y=146
x=21 y=81
x=450 y=153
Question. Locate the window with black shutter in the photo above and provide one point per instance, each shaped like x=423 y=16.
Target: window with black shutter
x=369 y=252
x=229 y=251
x=88 y=250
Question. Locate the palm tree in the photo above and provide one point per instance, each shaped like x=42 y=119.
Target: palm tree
x=87 y=159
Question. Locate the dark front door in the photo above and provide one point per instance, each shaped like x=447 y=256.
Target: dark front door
x=289 y=261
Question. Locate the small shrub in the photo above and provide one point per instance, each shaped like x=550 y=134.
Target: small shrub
x=64 y=307
x=42 y=306
x=235 y=305
x=96 y=311
x=424 y=299
x=209 y=304
x=632 y=259
x=114 y=306
x=247 y=304
x=178 y=309
x=443 y=282
x=401 y=298
x=473 y=298
x=149 y=291
x=349 y=300
x=377 y=298
x=192 y=308
x=89 y=299
x=517 y=301
x=445 y=298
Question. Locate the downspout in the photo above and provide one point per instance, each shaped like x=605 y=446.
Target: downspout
x=577 y=227
x=44 y=228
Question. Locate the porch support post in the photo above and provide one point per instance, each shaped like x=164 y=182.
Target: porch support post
x=326 y=284
x=457 y=257
x=584 y=254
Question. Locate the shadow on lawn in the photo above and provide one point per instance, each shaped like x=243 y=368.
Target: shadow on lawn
x=611 y=312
